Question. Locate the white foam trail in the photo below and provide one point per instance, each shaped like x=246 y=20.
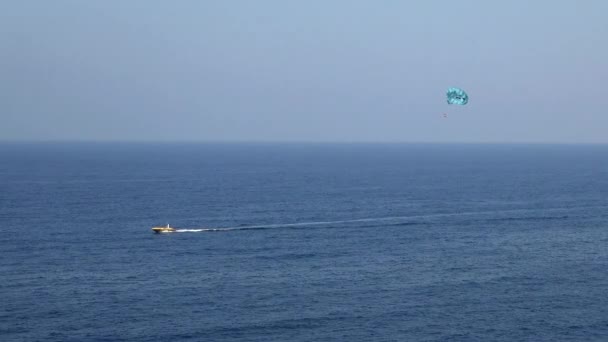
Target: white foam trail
x=381 y=219
x=201 y=230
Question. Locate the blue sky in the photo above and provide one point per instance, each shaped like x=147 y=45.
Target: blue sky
x=313 y=70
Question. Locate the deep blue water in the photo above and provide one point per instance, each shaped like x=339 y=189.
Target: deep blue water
x=342 y=242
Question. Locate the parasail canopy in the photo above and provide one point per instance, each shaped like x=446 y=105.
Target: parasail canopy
x=457 y=96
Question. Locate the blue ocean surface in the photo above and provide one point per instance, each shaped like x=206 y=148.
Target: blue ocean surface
x=303 y=242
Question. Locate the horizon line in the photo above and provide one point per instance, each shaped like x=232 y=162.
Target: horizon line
x=292 y=142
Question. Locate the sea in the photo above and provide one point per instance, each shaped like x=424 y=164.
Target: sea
x=303 y=242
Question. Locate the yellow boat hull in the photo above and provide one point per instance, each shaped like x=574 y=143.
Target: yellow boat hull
x=159 y=230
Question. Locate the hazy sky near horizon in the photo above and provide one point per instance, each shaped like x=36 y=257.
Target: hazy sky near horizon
x=315 y=70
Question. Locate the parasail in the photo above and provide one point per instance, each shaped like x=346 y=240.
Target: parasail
x=457 y=96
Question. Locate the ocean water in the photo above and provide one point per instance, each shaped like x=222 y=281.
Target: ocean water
x=303 y=242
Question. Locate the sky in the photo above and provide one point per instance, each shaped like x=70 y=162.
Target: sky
x=315 y=70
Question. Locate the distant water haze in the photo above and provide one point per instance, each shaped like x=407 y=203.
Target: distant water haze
x=355 y=71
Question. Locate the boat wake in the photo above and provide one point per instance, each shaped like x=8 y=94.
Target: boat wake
x=201 y=230
x=491 y=215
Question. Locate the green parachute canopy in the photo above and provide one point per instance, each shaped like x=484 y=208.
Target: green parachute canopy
x=457 y=96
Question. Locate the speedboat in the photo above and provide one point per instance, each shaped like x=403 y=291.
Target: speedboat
x=166 y=229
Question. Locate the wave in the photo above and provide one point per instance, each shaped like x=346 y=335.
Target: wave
x=528 y=218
